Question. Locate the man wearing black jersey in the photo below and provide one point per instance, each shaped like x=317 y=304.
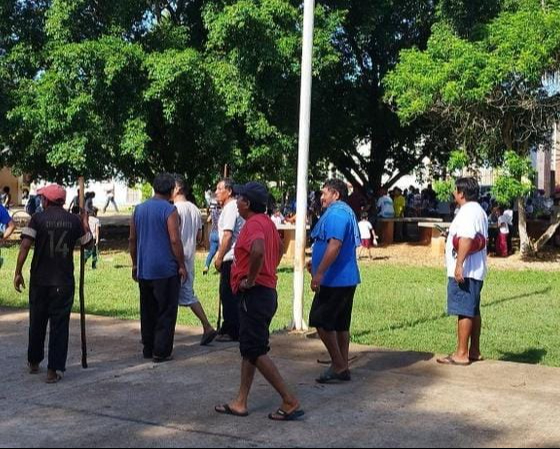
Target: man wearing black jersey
x=54 y=233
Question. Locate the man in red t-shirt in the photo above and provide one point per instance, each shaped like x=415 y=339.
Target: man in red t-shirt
x=258 y=252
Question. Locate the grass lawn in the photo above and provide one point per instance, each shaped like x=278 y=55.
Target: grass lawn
x=396 y=307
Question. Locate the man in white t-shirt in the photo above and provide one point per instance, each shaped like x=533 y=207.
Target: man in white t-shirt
x=385 y=206
x=466 y=256
x=229 y=227
x=191 y=235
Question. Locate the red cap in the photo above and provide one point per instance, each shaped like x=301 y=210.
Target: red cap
x=54 y=193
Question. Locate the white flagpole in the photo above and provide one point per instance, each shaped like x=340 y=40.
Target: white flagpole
x=303 y=163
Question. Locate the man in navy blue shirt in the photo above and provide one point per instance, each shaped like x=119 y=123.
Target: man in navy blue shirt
x=158 y=265
x=336 y=275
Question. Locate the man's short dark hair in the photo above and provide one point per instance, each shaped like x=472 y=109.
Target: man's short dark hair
x=337 y=185
x=164 y=184
x=468 y=187
x=181 y=184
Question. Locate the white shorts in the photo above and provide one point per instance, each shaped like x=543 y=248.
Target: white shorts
x=187 y=297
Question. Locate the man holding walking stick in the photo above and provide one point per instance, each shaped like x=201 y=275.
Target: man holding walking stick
x=54 y=233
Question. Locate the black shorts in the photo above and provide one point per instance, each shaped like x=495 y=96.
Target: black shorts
x=257 y=307
x=332 y=309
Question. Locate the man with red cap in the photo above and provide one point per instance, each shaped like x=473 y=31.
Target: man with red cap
x=54 y=233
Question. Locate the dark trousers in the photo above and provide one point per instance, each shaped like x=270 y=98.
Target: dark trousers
x=109 y=201
x=230 y=303
x=93 y=253
x=54 y=305
x=159 y=304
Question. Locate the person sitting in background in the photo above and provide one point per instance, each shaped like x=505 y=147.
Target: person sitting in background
x=278 y=218
x=25 y=196
x=6 y=198
x=385 y=207
x=7 y=225
x=291 y=218
x=399 y=203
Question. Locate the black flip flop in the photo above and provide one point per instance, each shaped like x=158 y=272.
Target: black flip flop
x=226 y=410
x=281 y=415
x=208 y=338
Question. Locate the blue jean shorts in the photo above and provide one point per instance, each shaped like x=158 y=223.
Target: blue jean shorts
x=464 y=299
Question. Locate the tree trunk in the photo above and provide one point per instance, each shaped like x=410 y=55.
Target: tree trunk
x=539 y=245
x=530 y=248
x=527 y=248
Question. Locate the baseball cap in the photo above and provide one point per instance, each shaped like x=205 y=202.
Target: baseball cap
x=255 y=192
x=54 y=193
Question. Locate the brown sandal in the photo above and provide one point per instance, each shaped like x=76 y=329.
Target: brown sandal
x=449 y=360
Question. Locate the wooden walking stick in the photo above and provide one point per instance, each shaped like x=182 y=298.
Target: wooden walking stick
x=82 y=279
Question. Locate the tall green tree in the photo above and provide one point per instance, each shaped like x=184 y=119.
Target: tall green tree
x=132 y=88
x=349 y=110
x=489 y=90
x=243 y=107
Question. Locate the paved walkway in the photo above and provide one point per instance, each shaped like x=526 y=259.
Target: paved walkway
x=397 y=399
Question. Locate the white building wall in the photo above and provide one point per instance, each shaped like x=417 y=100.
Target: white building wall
x=124 y=196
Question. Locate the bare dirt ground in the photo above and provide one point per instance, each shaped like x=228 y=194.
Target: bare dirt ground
x=410 y=254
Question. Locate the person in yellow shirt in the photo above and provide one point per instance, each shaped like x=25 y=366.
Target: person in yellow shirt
x=399 y=203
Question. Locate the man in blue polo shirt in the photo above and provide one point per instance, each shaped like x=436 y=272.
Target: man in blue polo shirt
x=335 y=277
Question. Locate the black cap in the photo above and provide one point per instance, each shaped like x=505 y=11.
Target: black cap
x=255 y=192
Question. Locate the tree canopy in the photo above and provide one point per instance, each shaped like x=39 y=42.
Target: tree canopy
x=133 y=87
x=489 y=91
x=490 y=86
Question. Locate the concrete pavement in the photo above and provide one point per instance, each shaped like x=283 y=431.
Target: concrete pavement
x=397 y=399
